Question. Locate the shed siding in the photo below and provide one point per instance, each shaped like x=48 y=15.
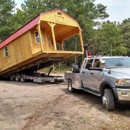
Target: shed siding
x=18 y=51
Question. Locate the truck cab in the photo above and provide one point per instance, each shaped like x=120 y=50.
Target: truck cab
x=107 y=77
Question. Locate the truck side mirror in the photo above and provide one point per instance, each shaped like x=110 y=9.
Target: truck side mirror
x=75 y=69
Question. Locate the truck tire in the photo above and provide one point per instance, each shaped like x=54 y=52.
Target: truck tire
x=70 y=88
x=108 y=100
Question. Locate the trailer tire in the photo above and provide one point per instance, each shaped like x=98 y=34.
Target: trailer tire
x=12 y=77
x=17 y=77
x=108 y=100
x=22 y=78
x=70 y=88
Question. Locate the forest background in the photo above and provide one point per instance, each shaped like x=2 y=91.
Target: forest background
x=104 y=37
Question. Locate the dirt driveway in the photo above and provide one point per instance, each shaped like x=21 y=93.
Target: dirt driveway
x=31 y=106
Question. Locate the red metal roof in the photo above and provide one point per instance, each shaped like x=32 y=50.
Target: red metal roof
x=20 y=31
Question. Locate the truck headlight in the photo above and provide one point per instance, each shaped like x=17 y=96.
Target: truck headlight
x=123 y=82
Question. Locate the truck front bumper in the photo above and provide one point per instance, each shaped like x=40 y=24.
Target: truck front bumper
x=123 y=94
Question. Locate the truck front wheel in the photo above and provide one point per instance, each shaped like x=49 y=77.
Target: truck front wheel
x=108 y=100
x=70 y=88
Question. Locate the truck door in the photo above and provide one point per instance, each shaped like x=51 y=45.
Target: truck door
x=92 y=79
x=85 y=74
x=96 y=75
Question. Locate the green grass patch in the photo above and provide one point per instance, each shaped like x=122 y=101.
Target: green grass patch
x=56 y=69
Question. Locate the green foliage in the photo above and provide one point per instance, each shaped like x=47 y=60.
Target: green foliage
x=18 y=19
x=32 y=8
x=125 y=32
x=57 y=68
x=108 y=39
x=6 y=13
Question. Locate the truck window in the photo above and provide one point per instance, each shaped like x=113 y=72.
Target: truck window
x=89 y=63
x=96 y=63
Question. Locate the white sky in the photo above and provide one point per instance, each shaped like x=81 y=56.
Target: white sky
x=117 y=9
x=18 y=3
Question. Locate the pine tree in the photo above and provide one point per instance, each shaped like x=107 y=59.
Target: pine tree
x=6 y=13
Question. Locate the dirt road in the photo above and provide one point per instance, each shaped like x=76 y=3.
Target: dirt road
x=31 y=106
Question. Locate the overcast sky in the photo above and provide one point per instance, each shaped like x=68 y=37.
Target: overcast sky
x=117 y=9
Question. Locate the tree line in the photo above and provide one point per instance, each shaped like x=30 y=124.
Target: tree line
x=109 y=38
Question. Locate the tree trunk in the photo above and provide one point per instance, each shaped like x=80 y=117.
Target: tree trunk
x=76 y=42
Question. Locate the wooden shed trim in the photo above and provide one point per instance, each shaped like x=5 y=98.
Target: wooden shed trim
x=64 y=14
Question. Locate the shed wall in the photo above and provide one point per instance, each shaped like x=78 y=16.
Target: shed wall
x=19 y=50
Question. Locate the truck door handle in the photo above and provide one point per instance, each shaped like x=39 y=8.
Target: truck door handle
x=83 y=72
x=91 y=73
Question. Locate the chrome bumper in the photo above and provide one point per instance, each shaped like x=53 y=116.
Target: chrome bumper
x=123 y=94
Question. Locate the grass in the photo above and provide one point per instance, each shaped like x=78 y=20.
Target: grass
x=63 y=123
x=56 y=69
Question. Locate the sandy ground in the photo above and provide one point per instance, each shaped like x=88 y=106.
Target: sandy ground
x=31 y=106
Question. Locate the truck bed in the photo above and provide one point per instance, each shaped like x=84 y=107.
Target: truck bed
x=75 y=78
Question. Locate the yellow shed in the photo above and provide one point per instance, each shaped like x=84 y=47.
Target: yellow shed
x=39 y=43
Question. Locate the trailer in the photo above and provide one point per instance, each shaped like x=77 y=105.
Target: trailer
x=38 y=44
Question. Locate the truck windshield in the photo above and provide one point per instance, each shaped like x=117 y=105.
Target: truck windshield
x=117 y=62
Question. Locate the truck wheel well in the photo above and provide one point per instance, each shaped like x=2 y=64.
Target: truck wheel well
x=69 y=79
x=105 y=86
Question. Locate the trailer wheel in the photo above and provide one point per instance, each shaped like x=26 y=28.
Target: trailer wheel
x=12 y=77
x=70 y=88
x=108 y=100
x=17 y=77
x=22 y=78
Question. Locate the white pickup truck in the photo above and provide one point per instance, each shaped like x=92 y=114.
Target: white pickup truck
x=107 y=77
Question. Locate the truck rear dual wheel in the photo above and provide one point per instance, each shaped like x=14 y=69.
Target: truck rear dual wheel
x=70 y=88
x=108 y=100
